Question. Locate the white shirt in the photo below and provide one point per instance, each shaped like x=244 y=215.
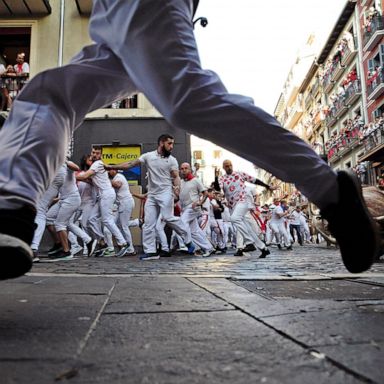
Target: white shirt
x=24 y=68
x=250 y=197
x=69 y=186
x=87 y=193
x=100 y=178
x=123 y=192
x=295 y=217
x=190 y=191
x=276 y=215
x=159 y=172
x=233 y=186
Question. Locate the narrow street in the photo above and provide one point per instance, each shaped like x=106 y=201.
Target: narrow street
x=295 y=317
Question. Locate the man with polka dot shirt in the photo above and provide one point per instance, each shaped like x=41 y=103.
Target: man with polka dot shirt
x=233 y=186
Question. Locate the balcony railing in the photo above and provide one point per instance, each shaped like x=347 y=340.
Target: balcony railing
x=343 y=146
x=373 y=32
x=352 y=92
x=10 y=87
x=348 y=55
x=373 y=140
x=375 y=85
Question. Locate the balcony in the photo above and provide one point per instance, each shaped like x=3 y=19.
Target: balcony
x=327 y=82
x=330 y=120
x=337 y=71
x=348 y=145
x=340 y=108
x=295 y=112
x=84 y=7
x=317 y=119
x=25 y=8
x=373 y=33
x=348 y=56
x=375 y=86
x=315 y=87
x=308 y=100
x=353 y=92
x=373 y=145
x=11 y=85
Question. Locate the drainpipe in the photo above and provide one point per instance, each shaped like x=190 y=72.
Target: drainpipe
x=361 y=65
x=61 y=33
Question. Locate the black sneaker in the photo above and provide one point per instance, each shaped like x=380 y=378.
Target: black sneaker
x=249 y=248
x=239 y=252
x=16 y=233
x=164 y=253
x=279 y=246
x=352 y=225
x=55 y=249
x=264 y=253
x=61 y=256
x=289 y=248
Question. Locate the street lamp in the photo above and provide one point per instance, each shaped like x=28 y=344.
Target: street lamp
x=203 y=21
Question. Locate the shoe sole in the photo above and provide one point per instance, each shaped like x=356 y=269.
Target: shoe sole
x=15 y=257
x=150 y=258
x=93 y=247
x=356 y=264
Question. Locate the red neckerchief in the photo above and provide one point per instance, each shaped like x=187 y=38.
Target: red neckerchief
x=189 y=177
x=19 y=68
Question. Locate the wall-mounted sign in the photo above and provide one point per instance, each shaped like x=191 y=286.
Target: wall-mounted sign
x=115 y=154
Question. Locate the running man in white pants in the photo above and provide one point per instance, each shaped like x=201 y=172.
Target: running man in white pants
x=192 y=196
x=42 y=208
x=149 y=46
x=163 y=184
x=125 y=204
x=233 y=186
x=107 y=198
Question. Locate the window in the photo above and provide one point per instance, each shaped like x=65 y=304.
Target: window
x=14 y=40
x=378 y=112
x=198 y=155
x=216 y=154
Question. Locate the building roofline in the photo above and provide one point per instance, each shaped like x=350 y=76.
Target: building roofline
x=337 y=29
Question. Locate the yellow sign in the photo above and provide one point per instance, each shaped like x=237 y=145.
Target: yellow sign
x=121 y=154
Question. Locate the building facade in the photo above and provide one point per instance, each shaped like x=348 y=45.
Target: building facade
x=338 y=106
x=50 y=33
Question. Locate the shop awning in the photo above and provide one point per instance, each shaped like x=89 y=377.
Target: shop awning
x=84 y=7
x=24 y=8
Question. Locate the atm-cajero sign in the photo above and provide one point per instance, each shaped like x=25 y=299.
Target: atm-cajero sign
x=120 y=154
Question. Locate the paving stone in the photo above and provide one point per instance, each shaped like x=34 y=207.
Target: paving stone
x=214 y=347
x=161 y=294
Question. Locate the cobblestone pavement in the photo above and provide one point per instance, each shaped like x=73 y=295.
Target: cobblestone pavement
x=294 y=317
x=311 y=259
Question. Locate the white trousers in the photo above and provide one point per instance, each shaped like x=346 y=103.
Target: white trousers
x=107 y=199
x=189 y=216
x=154 y=206
x=149 y=46
x=280 y=228
x=217 y=232
x=238 y=213
x=123 y=218
x=41 y=213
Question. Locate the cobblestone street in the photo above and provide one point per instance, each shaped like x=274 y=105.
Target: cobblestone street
x=294 y=317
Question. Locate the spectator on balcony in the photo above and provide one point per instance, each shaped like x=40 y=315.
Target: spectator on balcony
x=11 y=88
x=3 y=100
x=21 y=67
x=348 y=38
